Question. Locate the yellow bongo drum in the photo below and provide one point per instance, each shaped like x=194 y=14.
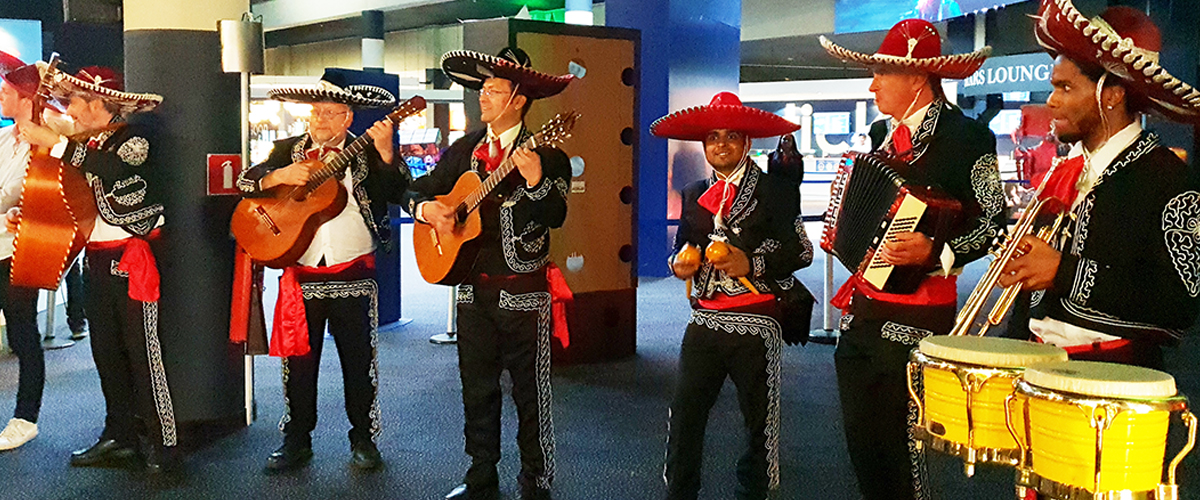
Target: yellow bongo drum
x=1097 y=430
x=966 y=380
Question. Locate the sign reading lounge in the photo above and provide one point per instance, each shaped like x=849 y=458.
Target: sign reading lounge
x=1022 y=72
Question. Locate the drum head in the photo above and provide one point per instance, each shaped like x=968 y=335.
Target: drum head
x=1111 y=380
x=990 y=351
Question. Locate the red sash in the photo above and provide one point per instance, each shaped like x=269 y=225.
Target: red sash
x=138 y=261
x=560 y=299
x=934 y=291
x=289 y=333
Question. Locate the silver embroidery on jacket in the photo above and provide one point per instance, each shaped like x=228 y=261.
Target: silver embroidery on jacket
x=1181 y=230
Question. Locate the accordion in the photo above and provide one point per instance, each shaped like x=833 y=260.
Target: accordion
x=869 y=203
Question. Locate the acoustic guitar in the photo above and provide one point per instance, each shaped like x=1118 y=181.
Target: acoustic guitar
x=58 y=210
x=277 y=228
x=446 y=258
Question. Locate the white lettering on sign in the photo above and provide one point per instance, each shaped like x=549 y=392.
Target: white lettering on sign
x=1009 y=74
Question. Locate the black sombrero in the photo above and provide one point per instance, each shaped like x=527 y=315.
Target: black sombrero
x=470 y=69
x=334 y=88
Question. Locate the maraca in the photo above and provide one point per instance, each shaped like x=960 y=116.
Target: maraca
x=718 y=251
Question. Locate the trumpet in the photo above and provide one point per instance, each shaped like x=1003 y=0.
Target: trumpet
x=1008 y=249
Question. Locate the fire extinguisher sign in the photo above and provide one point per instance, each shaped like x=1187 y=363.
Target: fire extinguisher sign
x=223 y=171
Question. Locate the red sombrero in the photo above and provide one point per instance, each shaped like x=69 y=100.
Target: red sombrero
x=24 y=79
x=1126 y=43
x=103 y=83
x=8 y=62
x=470 y=69
x=724 y=112
x=914 y=44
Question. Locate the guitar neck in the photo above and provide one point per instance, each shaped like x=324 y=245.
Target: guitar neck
x=476 y=197
x=338 y=163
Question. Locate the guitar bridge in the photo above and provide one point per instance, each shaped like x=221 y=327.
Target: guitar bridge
x=266 y=219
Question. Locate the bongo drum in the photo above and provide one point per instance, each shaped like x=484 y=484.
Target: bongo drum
x=1096 y=430
x=960 y=410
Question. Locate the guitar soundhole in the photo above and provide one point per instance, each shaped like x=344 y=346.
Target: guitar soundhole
x=460 y=215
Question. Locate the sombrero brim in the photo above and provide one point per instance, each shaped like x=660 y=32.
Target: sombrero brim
x=130 y=102
x=355 y=96
x=1062 y=29
x=955 y=67
x=694 y=124
x=8 y=62
x=469 y=69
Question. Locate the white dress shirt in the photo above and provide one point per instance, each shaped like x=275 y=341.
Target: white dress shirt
x=1053 y=331
x=507 y=138
x=343 y=238
x=14 y=159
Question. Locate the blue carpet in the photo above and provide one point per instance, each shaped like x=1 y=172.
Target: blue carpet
x=610 y=422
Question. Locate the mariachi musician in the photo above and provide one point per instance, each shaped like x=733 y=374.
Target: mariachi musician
x=504 y=303
x=735 y=329
x=113 y=147
x=334 y=280
x=18 y=88
x=1124 y=280
x=942 y=148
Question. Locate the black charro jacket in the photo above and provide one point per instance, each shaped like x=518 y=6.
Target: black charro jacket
x=764 y=223
x=375 y=183
x=516 y=218
x=1131 y=253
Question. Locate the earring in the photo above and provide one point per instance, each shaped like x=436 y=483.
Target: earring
x=1110 y=107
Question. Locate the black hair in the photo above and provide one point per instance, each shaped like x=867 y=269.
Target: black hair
x=1135 y=102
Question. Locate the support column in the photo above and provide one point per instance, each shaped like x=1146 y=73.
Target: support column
x=372 y=40
x=172 y=48
x=690 y=51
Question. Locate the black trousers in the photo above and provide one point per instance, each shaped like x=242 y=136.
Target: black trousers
x=870 y=360
x=76 y=291
x=504 y=324
x=746 y=348
x=20 y=316
x=350 y=309
x=128 y=355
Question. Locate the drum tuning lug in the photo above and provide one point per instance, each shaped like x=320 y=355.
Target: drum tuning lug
x=1167 y=492
x=969 y=469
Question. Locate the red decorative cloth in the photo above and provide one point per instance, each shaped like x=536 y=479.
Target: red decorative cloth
x=722 y=302
x=239 y=309
x=934 y=291
x=1063 y=177
x=138 y=261
x=289 y=333
x=716 y=198
x=491 y=154
x=902 y=142
x=561 y=299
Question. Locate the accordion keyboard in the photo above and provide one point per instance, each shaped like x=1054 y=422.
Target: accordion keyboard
x=908 y=214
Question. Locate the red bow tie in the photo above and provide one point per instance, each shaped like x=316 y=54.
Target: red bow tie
x=719 y=196
x=491 y=154
x=902 y=143
x=1061 y=183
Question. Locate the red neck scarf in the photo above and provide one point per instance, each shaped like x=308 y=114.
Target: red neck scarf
x=491 y=154
x=902 y=142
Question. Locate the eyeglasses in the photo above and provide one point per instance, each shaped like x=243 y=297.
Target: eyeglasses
x=328 y=115
x=487 y=92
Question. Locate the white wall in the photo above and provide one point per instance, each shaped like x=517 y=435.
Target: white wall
x=406 y=53
x=778 y=18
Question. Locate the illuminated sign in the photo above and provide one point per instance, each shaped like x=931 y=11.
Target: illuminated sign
x=21 y=38
x=1019 y=73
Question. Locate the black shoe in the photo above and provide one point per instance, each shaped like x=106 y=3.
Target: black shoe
x=105 y=451
x=162 y=461
x=364 y=456
x=288 y=458
x=535 y=493
x=462 y=492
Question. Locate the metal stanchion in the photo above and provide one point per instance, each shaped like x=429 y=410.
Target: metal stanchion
x=451 y=335
x=827 y=334
x=48 y=339
x=242 y=53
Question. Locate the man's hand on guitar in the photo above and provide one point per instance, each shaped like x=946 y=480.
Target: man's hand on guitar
x=907 y=249
x=295 y=174
x=529 y=164
x=37 y=135
x=11 y=219
x=382 y=133
x=439 y=215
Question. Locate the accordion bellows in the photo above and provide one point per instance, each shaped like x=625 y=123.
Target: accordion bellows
x=870 y=202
